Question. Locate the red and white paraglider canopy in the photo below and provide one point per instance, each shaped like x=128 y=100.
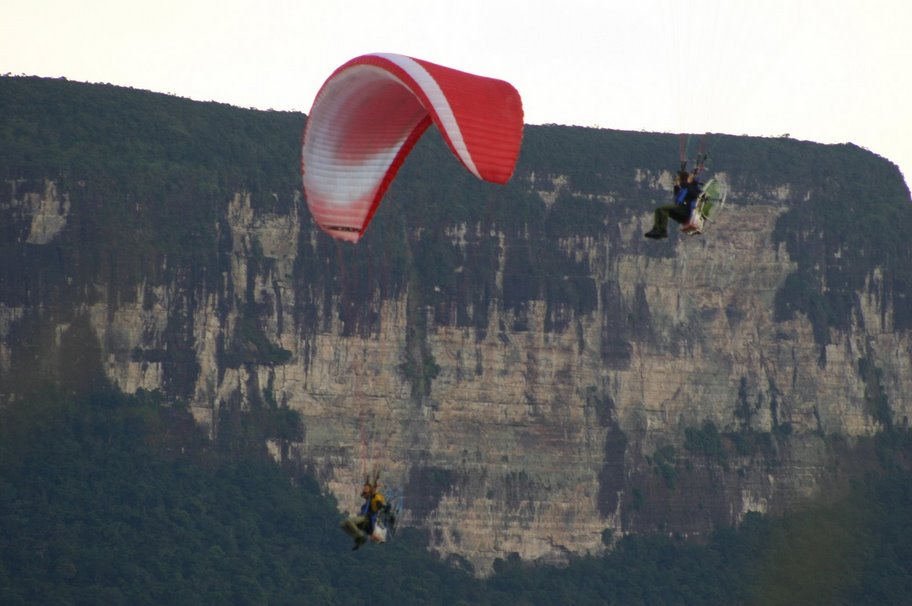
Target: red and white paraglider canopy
x=368 y=116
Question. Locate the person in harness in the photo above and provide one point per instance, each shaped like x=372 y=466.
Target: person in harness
x=686 y=192
x=363 y=526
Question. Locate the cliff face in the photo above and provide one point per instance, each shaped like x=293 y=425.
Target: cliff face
x=528 y=388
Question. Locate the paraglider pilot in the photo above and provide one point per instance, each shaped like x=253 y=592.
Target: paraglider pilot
x=686 y=191
x=361 y=526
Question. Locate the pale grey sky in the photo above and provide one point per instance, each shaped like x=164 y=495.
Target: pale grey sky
x=830 y=71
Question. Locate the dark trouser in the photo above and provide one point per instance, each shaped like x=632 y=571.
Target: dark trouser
x=356 y=527
x=678 y=212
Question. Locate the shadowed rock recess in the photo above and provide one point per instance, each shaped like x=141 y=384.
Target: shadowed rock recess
x=532 y=374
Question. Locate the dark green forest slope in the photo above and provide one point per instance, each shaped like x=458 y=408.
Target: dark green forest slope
x=119 y=500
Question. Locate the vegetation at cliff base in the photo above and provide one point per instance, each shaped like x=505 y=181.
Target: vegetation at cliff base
x=120 y=500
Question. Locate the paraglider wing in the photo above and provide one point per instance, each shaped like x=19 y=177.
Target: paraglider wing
x=372 y=110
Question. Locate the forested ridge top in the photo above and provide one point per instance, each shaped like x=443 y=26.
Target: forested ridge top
x=56 y=125
x=54 y=128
